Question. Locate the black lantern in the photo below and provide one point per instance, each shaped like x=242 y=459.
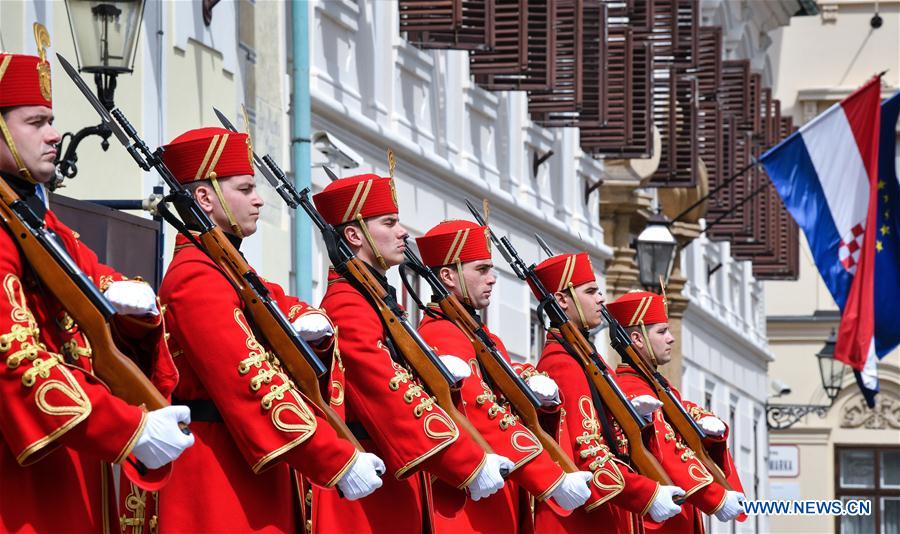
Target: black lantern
x=105 y=33
x=655 y=247
x=781 y=416
x=830 y=370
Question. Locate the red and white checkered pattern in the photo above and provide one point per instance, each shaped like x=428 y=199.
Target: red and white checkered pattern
x=851 y=246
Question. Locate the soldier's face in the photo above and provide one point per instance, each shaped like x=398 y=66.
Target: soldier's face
x=591 y=300
x=242 y=197
x=661 y=339
x=390 y=238
x=479 y=278
x=35 y=138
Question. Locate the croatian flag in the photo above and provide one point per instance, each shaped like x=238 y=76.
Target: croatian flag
x=827 y=175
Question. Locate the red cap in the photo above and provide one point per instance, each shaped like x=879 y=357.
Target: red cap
x=558 y=272
x=453 y=241
x=639 y=307
x=208 y=153
x=24 y=81
x=368 y=195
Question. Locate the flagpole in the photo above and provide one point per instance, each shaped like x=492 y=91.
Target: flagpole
x=718 y=188
x=719 y=219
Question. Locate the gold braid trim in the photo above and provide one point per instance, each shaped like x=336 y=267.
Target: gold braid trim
x=652 y=498
x=546 y=493
x=126 y=450
x=80 y=410
x=40 y=368
x=276 y=393
x=263 y=376
x=343 y=471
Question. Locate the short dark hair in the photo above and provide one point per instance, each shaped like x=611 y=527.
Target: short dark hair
x=340 y=227
x=191 y=187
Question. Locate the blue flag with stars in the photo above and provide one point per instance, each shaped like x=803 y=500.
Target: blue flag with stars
x=887 y=244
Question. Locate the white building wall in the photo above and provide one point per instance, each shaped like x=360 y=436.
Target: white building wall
x=726 y=356
x=453 y=141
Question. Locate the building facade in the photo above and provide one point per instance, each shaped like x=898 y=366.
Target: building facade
x=372 y=91
x=844 y=450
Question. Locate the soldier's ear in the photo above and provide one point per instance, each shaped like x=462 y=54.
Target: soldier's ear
x=562 y=299
x=636 y=338
x=353 y=235
x=446 y=276
x=204 y=196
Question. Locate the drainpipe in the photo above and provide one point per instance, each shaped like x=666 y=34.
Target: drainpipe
x=300 y=139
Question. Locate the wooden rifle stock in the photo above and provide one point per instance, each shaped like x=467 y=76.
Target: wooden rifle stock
x=675 y=412
x=512 y=391
x=268 y=319
x=615 y=401
x=237 y=270
x=599 y=376
x=412 y=351
x=124 y=378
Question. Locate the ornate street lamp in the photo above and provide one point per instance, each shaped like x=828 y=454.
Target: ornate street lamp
x=831 y=371
x=655 y=247
x=105 y=33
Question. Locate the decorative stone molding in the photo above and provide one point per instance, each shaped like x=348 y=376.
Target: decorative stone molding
x=885 y=414
x=624 y=211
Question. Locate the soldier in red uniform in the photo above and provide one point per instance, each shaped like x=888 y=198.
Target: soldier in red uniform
x=60 y=427
x=644 y=317
x=253 y=426
x=458 y=253
x=619 y=499
x=380 y=399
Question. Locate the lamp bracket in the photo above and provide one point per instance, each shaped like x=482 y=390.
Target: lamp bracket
x=781 y=416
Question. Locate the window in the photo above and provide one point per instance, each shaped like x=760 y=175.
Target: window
x=869 y=473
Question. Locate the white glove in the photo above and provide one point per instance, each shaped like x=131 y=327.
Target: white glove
x=129 y=297
x=313 y=327
x=712 y=426
x=733 y=507
x=489 y=480
x=545 y=388
x=664 y=506
x=457 y=367
x=573 y=491
x=162 y=441
x=363 y=477
x=645 y=405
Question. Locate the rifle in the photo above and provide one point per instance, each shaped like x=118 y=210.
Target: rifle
x=684 y=424
x=416 y=354
x=497 y=369
x=76 y=292
x=672 y=407
x=636 y=429
x=294 y=353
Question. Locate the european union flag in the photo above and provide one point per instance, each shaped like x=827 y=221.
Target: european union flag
x=887 y=244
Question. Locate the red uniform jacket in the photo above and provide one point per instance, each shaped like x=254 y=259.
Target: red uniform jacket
x=237 y=477
x=686 y=471
x=394 y=418
x=620 y=496
x=59 y=424
x=534 y=470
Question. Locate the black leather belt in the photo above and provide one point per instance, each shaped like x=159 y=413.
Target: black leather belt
x=202 y=410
